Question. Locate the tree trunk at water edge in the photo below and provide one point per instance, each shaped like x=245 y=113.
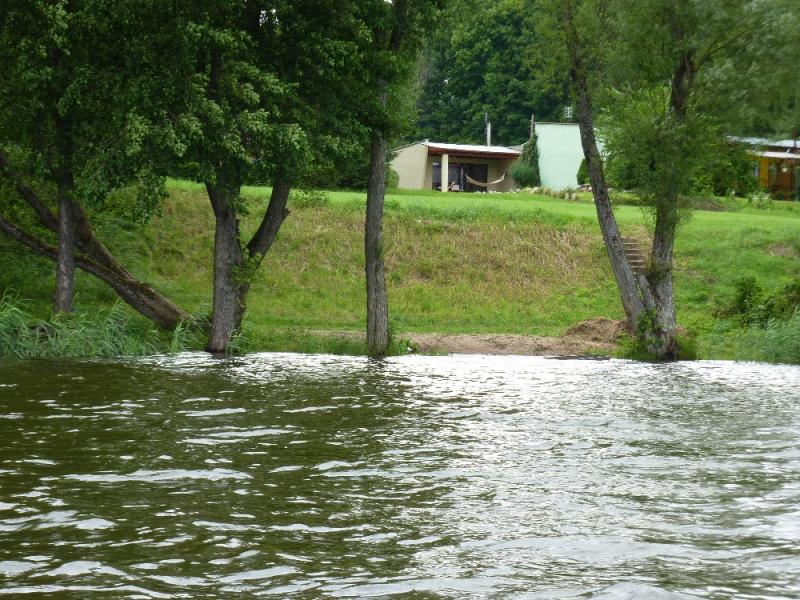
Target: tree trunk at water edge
x=377 y=298
x=65 y=261
x=228 y=304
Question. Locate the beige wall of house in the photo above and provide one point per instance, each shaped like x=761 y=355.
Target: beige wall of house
x=415 y=168
x=409 y=163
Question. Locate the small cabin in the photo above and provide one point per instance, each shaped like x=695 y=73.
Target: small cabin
x=466 y=168
x=474 y=168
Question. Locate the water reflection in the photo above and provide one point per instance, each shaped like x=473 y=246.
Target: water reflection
x=452 y=477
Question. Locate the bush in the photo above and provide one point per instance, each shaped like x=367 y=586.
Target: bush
x=525 y=169
x=308 y=199
x=392 y=179
x=777 y=342
x=583 y=173
x=752 y=306
x=524 y=175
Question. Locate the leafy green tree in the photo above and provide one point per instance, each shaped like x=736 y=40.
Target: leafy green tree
x=654 y=69
x=482 y=60
x=70 y=132
x=265 y=91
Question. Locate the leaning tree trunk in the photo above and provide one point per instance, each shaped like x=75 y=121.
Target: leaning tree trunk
x=377 y=299
x=228 y=304
x=65 y=262
x=648 y=300
x=138 y=295
x=633 y=302
x=96 y=259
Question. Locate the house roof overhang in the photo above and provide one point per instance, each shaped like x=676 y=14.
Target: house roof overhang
x=778 y=155
x=470 y=151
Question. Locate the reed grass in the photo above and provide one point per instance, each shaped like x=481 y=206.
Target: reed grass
x=110 y=332
x=777 y=342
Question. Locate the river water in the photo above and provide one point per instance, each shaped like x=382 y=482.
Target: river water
x=293 y=476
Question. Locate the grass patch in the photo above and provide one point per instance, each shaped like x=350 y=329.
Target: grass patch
x=778 y=342
x=456 y=263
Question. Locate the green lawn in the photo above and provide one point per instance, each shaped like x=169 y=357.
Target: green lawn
x=457 y=263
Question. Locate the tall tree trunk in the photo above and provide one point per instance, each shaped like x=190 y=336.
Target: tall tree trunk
x=228 y=304
x=234 y=267
x=65 y=263
x=662 y=340
x=377 y=298
x=632 y=301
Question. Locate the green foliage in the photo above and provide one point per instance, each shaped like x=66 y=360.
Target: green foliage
x=108 y=333
x=392 y=179
x=654 y=151
x=583 y=173
x=728 y=171
x=68 y=104
x=525 y=169
x=751 y=305
x=481 y=61
x=778 y=341
x=308 y=198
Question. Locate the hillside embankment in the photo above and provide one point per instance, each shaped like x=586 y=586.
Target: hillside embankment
x=470 y=272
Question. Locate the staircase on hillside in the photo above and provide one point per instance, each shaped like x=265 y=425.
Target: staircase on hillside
x=635 y=256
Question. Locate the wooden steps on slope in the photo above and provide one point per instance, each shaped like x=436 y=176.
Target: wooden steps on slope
x=636 y=258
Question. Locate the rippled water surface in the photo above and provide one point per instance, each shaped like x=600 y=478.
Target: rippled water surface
x=418 y=477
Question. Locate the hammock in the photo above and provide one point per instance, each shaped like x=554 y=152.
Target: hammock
x=485 y=184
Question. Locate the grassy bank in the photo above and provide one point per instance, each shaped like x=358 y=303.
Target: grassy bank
x=457 y=263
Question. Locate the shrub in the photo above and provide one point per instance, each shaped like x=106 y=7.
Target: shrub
x=308 y=199
x=525 y=169
x=524 y=175
x=752 y=306
x=583 y=173
x=392 y=179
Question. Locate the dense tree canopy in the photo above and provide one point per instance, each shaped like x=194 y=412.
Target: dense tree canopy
x=482 y=60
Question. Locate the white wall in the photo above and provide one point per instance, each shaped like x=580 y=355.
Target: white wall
x=560 y=154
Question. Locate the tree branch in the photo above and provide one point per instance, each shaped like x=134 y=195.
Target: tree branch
x=276 y=213
x=46 y=216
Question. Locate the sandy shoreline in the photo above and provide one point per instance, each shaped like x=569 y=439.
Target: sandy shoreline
x=593 y=336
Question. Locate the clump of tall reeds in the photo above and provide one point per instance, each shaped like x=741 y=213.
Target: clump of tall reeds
x=777 y=342
x=107 y=333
